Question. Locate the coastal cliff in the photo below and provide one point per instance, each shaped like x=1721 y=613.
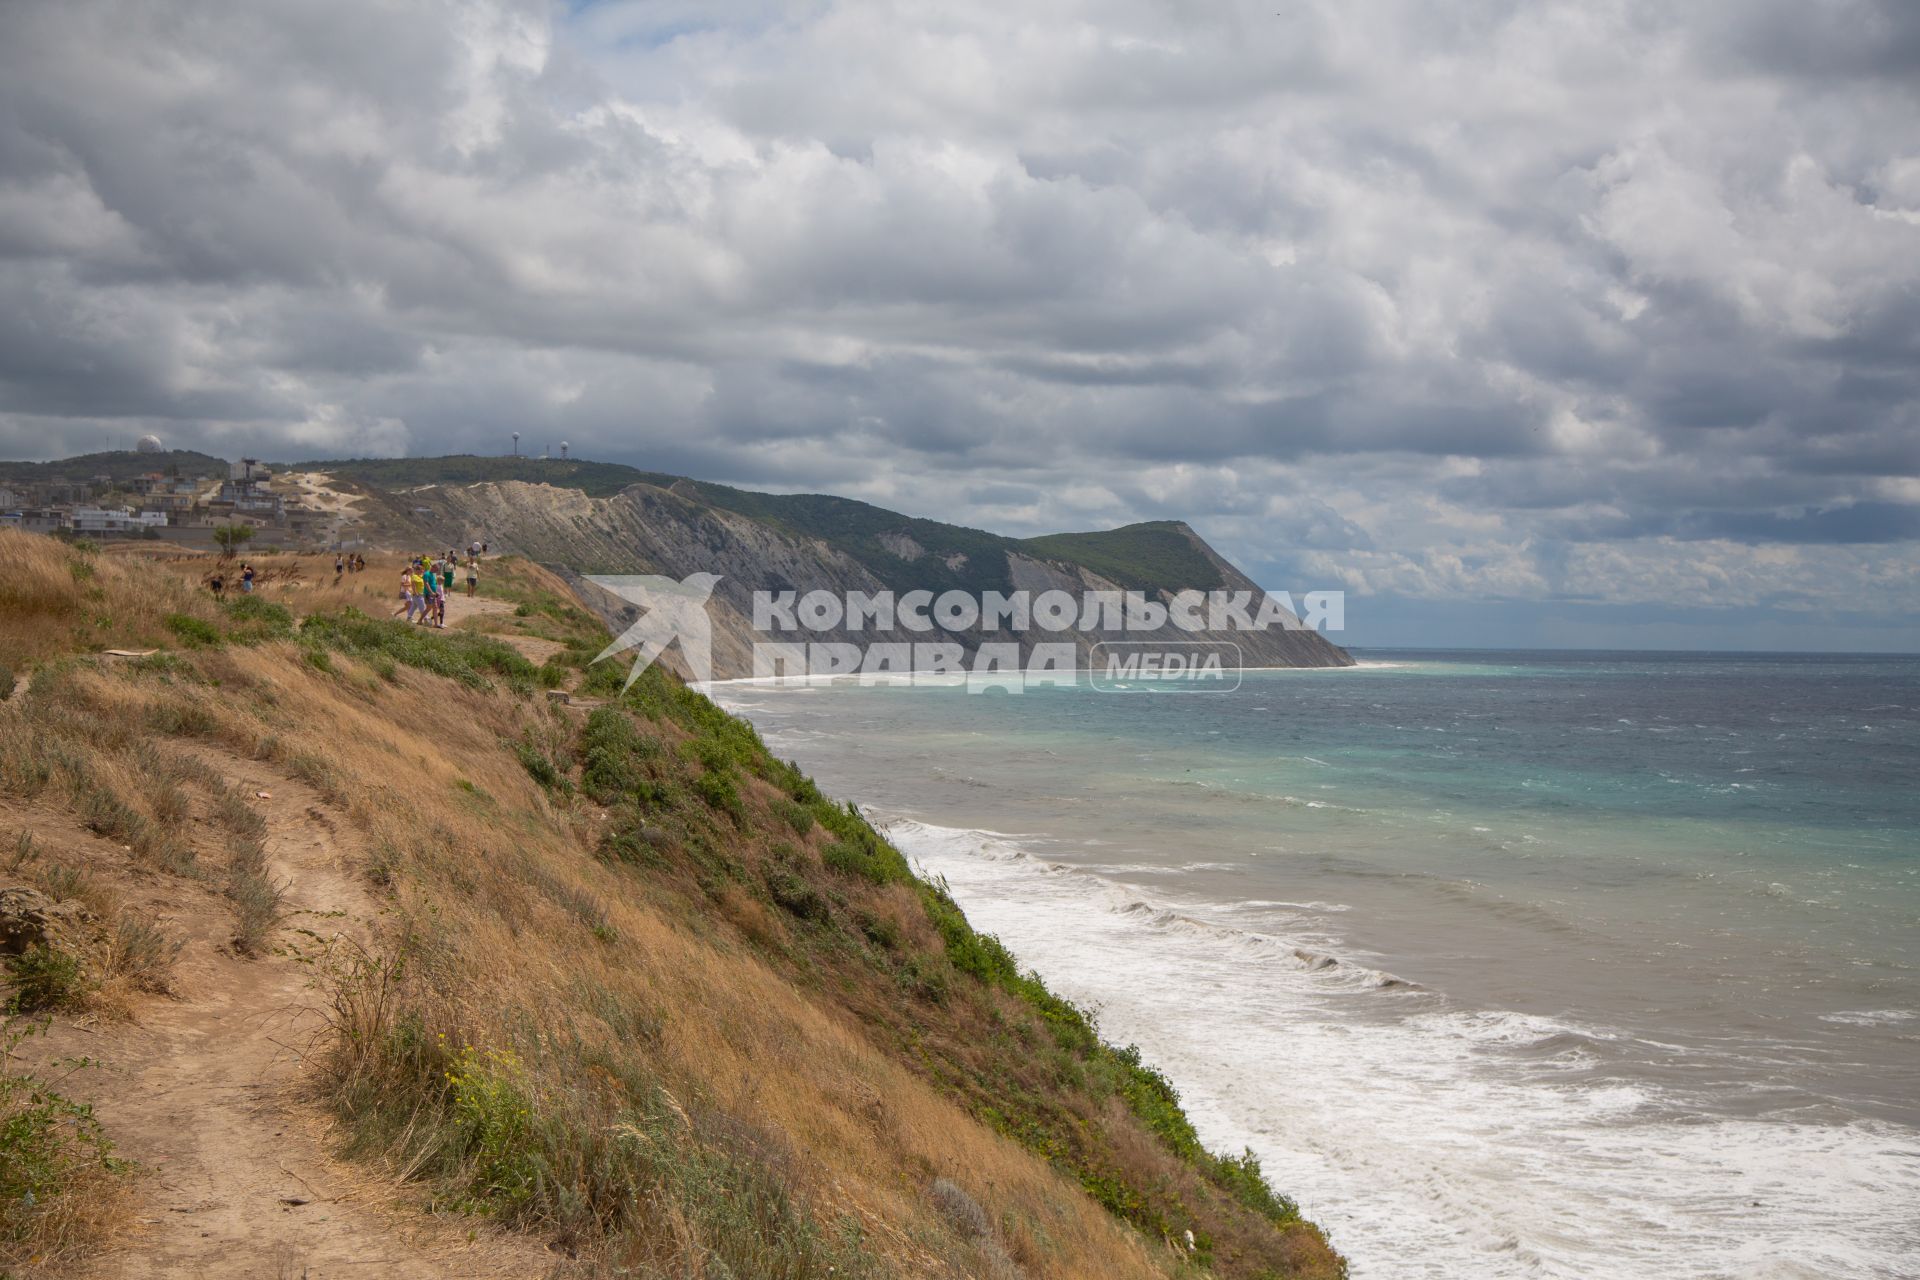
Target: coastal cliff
x=801 y=543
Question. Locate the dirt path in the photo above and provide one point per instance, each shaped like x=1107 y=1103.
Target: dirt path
x=461 y=605
x=532 y=648
x=204 y=1092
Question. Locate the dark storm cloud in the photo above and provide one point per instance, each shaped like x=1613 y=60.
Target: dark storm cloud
x=1494 y=295
x=1831 y=40
x=1865 y=522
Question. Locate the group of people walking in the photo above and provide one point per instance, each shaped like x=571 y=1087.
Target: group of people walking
x=426 y=582
x=218 y=582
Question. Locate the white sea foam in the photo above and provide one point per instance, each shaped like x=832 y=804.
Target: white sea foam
x=1869 y=1017
x=1436 y=1142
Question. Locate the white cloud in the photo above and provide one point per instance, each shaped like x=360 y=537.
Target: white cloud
x=1518 y=296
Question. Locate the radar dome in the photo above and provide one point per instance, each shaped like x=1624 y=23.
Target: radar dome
x=149 y=444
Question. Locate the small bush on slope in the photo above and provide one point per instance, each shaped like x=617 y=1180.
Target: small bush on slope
x=57 y=1187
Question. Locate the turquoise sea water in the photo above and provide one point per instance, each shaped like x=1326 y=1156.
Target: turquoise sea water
x=1507 y=964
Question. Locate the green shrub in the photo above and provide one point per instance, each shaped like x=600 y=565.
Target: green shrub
x=195 y=633
x=49 y=1144
x=634 y=843
x=493 y=1112
x=716 y=787
x=614 y=755
x=794 y=814
x=1152 y=1097
x=251 y=620
x=795 y=895
x=870 y=859
x=1240 y=1177
x=924 y=978
x=44 y=977
x=541 y=769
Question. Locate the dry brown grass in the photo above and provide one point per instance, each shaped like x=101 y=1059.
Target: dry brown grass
x=605 y=999
x=509 y=968
x=57 y=600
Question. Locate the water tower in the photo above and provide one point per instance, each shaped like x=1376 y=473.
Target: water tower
x=516 y=444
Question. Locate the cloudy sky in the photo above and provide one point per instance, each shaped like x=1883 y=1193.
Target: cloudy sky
x=1540 y=323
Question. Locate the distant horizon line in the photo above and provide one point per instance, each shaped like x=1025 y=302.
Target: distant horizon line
x=1548 y=648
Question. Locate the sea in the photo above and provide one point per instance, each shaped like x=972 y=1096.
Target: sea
x=1504 y=964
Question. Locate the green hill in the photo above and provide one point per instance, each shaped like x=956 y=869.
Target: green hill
x=1152 y=556
x=120 y=464
x=1158 y=555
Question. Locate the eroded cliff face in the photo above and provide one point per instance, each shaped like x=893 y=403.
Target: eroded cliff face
x=650 y=530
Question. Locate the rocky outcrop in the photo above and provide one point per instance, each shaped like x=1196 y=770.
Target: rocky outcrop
x=29 y=918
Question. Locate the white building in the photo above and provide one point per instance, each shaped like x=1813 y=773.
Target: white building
x=115 y=520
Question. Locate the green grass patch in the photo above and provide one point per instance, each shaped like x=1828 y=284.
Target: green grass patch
x=472 y=659
x=195 y=633
x=540 y=767
x=254 y=620
x=52 y=1150
x=44 y=977
x=615 y=757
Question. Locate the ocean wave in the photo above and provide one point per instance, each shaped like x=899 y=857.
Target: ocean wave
x=1436 y=1141
x=1329 y=970
x=1235 y=795
x=1870 y=1017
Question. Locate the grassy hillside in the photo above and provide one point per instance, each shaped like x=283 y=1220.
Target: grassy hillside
x=1155 y=556
x=635 y=988
x=121 y=464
